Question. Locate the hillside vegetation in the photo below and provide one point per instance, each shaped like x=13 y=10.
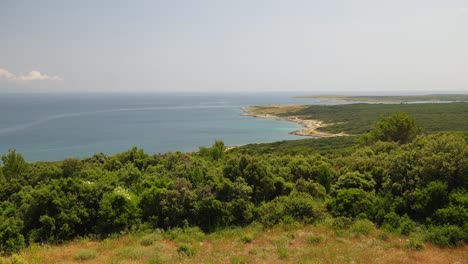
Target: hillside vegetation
x=409 y=185
x=356 y=119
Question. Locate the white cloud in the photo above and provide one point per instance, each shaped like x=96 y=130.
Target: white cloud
x=37 y=76
x=31 y=76
x=4 y=74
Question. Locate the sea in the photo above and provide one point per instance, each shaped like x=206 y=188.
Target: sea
x=48 y=127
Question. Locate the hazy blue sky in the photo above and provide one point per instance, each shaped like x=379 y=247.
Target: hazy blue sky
x=238 y=45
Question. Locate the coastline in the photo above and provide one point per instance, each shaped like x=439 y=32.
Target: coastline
x=310 y=126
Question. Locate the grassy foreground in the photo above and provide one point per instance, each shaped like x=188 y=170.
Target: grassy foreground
x=287 y=243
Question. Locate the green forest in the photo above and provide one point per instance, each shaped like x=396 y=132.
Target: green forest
x=396 y=176
x=356 y=119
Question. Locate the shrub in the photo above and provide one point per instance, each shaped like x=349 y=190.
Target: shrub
x=383 y=235
x=414 y=244
x=362 y=227
x=447 y=236
x=453 y=214
x=406 y=226
x=355 y=180
x=351 y=203
x=394 y=223
x=148 y=240
x=85 y=254
x=247 y=238
x=296 y=206
x=118 y=210
x=186 y=250
x=253 y=251
x=312 y=188
x=341 y=223
x=11 y=239
x=430 y=198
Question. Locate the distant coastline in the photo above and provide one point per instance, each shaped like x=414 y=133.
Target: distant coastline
x=429 y=98
x=311 y=127
x=358 y=118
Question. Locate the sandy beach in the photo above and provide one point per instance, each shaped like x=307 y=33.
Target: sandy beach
x=310 y=126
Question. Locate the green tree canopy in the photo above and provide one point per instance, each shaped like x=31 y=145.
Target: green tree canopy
x=398 y=127
x=13 y=164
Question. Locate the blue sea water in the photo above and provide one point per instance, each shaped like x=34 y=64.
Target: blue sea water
x=56 y=126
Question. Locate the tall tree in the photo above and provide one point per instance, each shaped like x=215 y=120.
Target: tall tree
x=13 y=164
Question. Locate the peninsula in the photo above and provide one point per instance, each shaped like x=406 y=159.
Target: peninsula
x=355 y=119
x=311 y=127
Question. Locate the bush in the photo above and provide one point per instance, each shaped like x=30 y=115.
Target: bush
x=185 y=250
x=148 y=240
x=383 y=235
x=406 y=226
x=11 y=239
x=447 y=236
x=341 y=223
x=296 y=206
x=414 y=244
x=312 y=188
x=394 y=223
x=118 y=210
x=351 y=203
x=391 y=221
x=453 y=214
x=362 y=227
x=85 y=254
x=247 y=238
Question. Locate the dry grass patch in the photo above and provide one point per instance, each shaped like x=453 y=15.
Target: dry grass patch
x=282 y=244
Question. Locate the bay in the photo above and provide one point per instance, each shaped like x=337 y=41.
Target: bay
x=55 y=126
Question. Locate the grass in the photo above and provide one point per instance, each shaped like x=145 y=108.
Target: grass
x=149 y=240
x=313 y=239
x=85 y=254
x=280 y=244
x=247 y=238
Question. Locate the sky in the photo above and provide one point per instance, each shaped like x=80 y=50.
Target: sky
x=233 y=46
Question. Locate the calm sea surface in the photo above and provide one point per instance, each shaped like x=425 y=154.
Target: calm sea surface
x=56 y=126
